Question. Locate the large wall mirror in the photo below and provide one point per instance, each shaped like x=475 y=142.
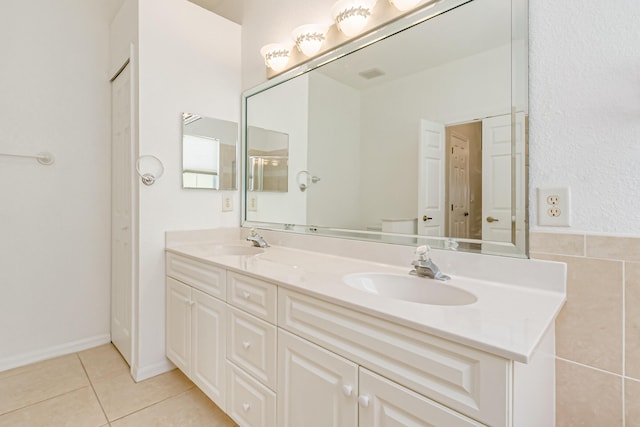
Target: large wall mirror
x=209 y=153
x=416 y=132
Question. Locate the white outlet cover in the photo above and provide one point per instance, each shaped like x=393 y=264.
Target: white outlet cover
x=227 y=203
x=564 y=205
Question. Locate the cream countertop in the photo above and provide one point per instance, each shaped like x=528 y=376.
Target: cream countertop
x=506 y=320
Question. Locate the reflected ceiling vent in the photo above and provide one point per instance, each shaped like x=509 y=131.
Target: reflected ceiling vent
x=371 y=74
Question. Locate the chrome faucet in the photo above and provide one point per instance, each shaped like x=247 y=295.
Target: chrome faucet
x=257 y=240
x=424 y=267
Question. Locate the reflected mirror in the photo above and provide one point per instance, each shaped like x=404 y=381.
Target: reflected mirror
x=209 y=148
x=414 y=133
x=268 y=160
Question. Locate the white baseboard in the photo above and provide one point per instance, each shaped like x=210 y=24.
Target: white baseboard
x=54 y=351
x=141 y=373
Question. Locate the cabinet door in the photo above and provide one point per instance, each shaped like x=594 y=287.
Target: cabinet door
x=385 y=403
x=178 y=324
x=316 y=388
x=208 y=330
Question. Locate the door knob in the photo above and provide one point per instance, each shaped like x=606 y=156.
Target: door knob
x=246 y=345
x=466 y=214
x=492 y=219
x=246 y=407
x=426 y=218
x=347 y=390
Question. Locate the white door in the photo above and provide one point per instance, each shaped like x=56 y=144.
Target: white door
x=503 y=216
x=208 y=345
x=178 y=324
x=459 y=186
x=121 y=218
x=431 y=197
x=316 y=388
x=384 y=403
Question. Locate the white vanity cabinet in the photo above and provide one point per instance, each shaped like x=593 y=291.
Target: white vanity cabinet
x=196 y=331
x=316 y=387
x=274 y=357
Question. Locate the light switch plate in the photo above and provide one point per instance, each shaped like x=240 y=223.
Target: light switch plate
x=252 y=203
x=554 y=207
x=227 y=203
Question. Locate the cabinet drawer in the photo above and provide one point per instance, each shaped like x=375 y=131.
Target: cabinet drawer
x=249 y=403
x=385 y=403
x=470 y=381
x=205 y=277
x=251 y=344
x=252 y=295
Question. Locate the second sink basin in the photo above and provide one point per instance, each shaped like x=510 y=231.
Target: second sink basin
x=409 y=288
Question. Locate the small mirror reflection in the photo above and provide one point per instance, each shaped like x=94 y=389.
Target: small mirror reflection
x=209 y=153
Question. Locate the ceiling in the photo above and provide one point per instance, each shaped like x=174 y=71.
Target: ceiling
x=230 y=9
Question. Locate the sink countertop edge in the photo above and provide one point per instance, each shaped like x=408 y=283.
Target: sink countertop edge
x=329 y=287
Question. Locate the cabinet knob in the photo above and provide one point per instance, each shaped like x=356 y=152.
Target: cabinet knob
x=246 y=345
x=246 y=294
x=363 y=401
x=347 y=390
x=246 y=407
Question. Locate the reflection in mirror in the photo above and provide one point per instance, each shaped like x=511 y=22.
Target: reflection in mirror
x=420 y=135
x=209 y=148
x=268 y=161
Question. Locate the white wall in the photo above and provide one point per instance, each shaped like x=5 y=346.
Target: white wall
x=189 y=60
x=334 y=153
x=54 y=220
x=584 y=109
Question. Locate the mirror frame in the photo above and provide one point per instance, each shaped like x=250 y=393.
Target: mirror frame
x=420 y=14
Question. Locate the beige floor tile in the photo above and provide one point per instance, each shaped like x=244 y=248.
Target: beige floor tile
x=632 y=403
x=103 y=361
x=120 y=395
x=191 y=408
x=78 y=408
x=47 y=380
x=587 y=397
x=589 y=327
x=632 y=320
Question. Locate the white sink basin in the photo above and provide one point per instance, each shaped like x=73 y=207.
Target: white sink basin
x=409 y=288
x=221 y=250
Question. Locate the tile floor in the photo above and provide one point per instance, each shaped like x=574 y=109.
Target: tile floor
x=93 y=388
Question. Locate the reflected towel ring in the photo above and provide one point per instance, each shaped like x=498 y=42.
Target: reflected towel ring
x=149 y=178
x=307 y=177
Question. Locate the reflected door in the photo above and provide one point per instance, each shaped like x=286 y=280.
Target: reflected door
x=431 y=197
x=499 y=212
x=459 y=186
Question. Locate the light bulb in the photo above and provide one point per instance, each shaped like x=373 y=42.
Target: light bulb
x=351 y=16
x=309 y=38
x=276 y=56
x=403 y=5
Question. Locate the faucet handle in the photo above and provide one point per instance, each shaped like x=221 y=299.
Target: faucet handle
x=254 y=233
x=423 y=252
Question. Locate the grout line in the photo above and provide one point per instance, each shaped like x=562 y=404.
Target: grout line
x=95 y=393
x=154 y=404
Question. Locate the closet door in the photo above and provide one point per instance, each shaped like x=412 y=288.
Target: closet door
x=121 y=217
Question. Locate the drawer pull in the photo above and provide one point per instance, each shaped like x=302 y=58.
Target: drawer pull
x=347 y=390
x=188 y=301
x=246 y=345
x=363 y=401
x=246 y=407
x=246 y=294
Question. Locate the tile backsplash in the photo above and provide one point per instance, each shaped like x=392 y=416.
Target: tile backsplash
x=598 y=330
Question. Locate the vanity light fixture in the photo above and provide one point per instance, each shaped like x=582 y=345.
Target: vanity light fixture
x=309 y=38
x=276 y=56
x=351 y=15
x=403 y=5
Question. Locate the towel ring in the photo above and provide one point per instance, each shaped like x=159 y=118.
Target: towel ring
x=149 y=178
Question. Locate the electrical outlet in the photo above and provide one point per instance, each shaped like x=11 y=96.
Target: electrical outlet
x=252 y=203
x=554 y=207
x=227 y=203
